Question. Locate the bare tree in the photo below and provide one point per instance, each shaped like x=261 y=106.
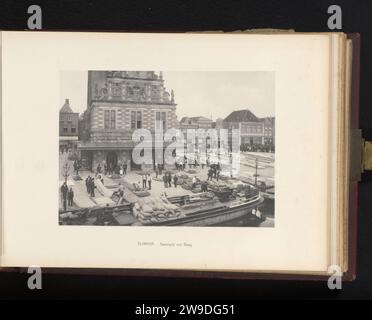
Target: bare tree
x=66 y=169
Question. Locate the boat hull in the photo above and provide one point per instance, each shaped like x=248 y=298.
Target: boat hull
x=217 y=216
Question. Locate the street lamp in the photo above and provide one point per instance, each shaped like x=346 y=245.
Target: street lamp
x=256 y=174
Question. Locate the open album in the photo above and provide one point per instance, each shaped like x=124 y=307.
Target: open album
x=179 y=154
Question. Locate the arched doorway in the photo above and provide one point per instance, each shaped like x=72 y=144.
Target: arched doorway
x=112 y=160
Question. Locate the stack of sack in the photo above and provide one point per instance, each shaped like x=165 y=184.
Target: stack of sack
x=68 y=215
x=187 y=184
x=155 y=209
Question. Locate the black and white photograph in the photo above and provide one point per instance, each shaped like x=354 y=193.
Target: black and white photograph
x=154 y=148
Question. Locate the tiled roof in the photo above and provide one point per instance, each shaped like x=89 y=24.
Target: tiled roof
x=200 y=118
x=66 y=107
x=241 y=116
x=195 y=119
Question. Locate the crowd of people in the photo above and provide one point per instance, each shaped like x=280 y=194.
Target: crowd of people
x=169 y=178
x=146 y=181
x=109 y=169
x=257 y=147
x=214 y=172
x=91 y=186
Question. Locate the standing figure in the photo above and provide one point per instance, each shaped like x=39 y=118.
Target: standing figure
x=70 y=196
x=165 y=179
x=64 y=190
x=92 y=187
x=193 y=182
x=175 y=179
x=144 y=178
x=169 y=180
x=87 y=181
x=76 y=167
x=149 y=181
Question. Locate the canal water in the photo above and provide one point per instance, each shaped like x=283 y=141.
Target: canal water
x=267 y=210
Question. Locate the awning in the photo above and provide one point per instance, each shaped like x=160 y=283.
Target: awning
x=106 y=146
x=68 y=138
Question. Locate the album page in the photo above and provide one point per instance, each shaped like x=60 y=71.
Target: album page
x=166 y=151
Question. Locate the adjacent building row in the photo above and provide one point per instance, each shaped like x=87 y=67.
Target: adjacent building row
x=119 y=102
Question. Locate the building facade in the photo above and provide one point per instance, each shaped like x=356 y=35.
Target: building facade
x=194 y=143
x=119 y=102
x=68 y=128
x=254 y=131
x=251 y=127
x=269 y=130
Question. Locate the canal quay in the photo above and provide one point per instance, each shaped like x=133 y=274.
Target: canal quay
x=101 y=182
x=121 y=208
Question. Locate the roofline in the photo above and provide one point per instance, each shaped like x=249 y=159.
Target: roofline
x=133 y=102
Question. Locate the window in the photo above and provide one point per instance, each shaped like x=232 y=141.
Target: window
x=160 y=122
x=110 y=119
x=113 y=119
x=73 y=130
x=65 y=130
x=136 y=120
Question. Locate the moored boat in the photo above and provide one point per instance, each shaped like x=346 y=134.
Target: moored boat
x=217 y=213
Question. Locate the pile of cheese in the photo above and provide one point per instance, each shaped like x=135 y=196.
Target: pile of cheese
x=151 y=210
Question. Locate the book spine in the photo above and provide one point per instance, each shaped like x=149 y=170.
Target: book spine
x=1 y=158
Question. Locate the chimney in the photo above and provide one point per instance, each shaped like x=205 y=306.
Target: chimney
x=67 y=101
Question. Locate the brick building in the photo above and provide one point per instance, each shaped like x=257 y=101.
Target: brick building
x=269 y=130
x=68 y=128
x=120 y=102
x=251 y=127
x=253 y=130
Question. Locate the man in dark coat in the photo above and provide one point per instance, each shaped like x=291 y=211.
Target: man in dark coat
x=76 y=167
x=175 y=179
x=169 y=180
x=165 y=179
x=92 y=186
x=87 y=182
x=64 y=190
x=70 y=197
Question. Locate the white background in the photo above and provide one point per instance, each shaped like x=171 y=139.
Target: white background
x=32 y=63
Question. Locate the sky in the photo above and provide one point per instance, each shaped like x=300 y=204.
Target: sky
x=211 y=94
